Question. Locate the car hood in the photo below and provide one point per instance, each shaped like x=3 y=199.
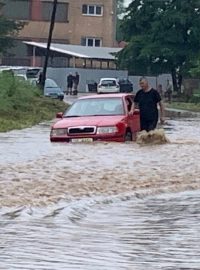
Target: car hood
x=89 y=121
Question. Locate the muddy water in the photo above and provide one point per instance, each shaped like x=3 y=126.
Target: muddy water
x=102 y=205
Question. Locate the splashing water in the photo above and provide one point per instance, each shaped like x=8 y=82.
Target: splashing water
x=156 y=136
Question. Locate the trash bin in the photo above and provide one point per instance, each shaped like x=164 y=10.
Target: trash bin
x=92 y=86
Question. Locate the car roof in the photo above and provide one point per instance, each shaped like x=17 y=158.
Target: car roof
x=49 y=80
x=108 y=79
x=114 y=95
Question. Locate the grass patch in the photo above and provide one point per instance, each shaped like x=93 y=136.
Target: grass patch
x=195 y=107
x=23 y=105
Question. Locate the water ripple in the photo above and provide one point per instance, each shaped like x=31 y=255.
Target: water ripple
x=102 y=206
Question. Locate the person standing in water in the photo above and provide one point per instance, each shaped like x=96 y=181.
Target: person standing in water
x=148 y=99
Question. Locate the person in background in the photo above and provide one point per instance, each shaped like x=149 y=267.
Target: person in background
x=148 y=99
x=76 y=79
x=169 y=91
x=160 y=90
x=69 y=84
x=39 y=82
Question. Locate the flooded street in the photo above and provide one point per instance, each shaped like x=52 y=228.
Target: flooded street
x=108 y=206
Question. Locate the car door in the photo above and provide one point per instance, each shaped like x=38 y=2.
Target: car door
x=133 y=118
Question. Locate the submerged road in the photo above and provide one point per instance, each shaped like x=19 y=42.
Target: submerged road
x=101 y=205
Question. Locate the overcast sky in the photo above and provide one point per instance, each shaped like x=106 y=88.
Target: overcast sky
x=127 y=2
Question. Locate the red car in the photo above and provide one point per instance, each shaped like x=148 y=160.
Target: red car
x=103 y=117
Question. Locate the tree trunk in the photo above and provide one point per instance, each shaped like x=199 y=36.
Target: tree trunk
x=174 y=81
x=180 y=79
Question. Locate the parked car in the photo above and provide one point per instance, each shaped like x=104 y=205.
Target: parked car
x=108 y=85
x=103 y=117
x=51 y=89
x=126 y=86
x=21 y=77
x=33 y=72
x=28 y=72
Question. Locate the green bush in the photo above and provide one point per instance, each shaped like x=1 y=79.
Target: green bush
x=189 y=106
x=23 y=105
x=195 y=99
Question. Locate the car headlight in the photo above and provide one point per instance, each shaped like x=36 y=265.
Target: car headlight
x=58 y=131
x=103 y=130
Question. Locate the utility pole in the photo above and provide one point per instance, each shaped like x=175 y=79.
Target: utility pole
x=53 y=15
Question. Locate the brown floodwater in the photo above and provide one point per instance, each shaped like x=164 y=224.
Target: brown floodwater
x=99 y=206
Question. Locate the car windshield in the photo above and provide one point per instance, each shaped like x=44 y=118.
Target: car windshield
x=51 y=87
x=108 y=83
x=50 y=83
x=96 y=107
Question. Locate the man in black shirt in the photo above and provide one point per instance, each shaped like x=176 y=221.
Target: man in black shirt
x=148 y=100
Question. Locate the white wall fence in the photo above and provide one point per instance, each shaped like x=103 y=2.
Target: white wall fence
x=88 y=75
x=153 y=81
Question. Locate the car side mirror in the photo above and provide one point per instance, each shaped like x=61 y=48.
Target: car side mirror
x=59 y=115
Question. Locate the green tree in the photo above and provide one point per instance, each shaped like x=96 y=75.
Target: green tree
x=8 y=30
x=162 y=36
x=120 y=7
x=120 y=11
x=195 y=69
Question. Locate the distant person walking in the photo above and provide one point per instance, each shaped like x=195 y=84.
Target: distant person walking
x=69 y=84
x=76 y=79
x=148 y=99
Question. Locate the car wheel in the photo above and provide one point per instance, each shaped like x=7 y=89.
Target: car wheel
x=128 y=136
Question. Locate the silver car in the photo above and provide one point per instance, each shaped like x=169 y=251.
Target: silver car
x=51 y=89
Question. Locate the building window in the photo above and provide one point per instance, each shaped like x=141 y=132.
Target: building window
x=17 y=9
x=61 y=11
x=98 y=10
x=92 y=10
x=97 y=43
x=91 y=42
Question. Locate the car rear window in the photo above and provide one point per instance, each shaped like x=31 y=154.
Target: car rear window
x=108 y=83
